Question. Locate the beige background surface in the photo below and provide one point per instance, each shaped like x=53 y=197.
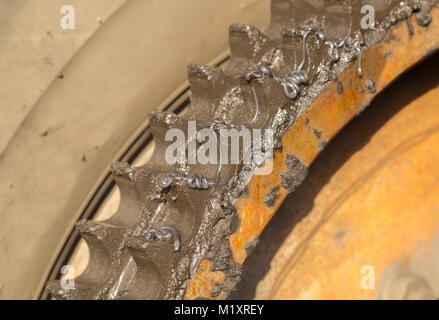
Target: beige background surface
x=34 y=48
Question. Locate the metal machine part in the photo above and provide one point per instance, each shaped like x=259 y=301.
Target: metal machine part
x=214 y=225
x=364 y=223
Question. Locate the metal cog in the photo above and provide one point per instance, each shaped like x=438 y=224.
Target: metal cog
x=160 y=237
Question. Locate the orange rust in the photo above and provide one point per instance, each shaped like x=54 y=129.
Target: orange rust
x=204 y=281
x=383 y=63
x=380 y=209
x=329 y=113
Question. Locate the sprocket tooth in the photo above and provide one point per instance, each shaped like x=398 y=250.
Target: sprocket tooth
x=89 y=284
x=124 y=170
x=339 y=18
x=174 y=204
x=292 y=48
x=178 y=206
x=101 y=240
x=247 y=46
x=160 y=123
x=281 y=15
x=208 y=85
x=215 y=92
x=270 y=96
x=249 y=110
x=80 y=291
x=201 y=76
x=56 y=291
x=307 y=12
x=125 y=177
x=146 y=280
x=185 y=131
x=109 y=264
x=99 y=230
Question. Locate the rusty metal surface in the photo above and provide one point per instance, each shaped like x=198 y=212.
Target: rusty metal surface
x=327 y=115
x=378 y=210
x=383 y=62
x=362 y=144
x=219 y=226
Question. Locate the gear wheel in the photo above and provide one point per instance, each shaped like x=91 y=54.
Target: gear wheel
x=162 y=243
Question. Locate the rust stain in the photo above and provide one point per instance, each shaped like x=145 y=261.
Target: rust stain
x=379 y=209
x=330 y=112
x=204 y=281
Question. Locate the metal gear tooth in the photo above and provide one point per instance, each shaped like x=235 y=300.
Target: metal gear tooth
x=134 y=201
x=81 y=291
x=123 y=169
x=273 y=99
x=124 y=273
x=90 y=284
x=208 y=86
x=56 y=291
x=292 y=48
x=215 y=92
x=281 y=14
x=102 y=240
x=96 y=229
x=155 y=266
x=339 y=18
x=200 y=72
x=164 y=120
x=247 y=45
x=306 y=11
x=105 y=244
x=127 y=214
x=255 y=102
x=160 y=123
x=172 y=205
x=138 y=206
x=147 y=280
x=205 y=82
x=264 y=96
x=298 y=12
